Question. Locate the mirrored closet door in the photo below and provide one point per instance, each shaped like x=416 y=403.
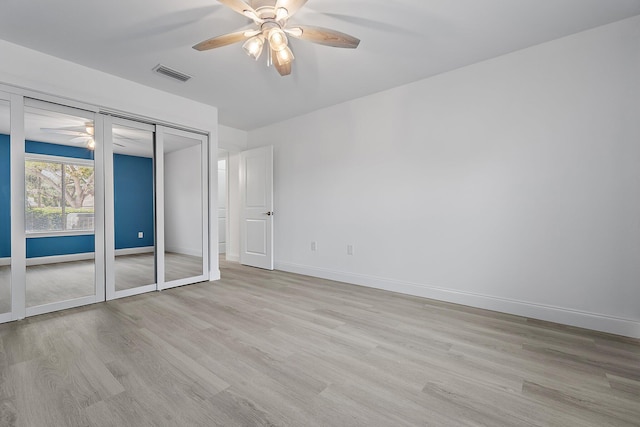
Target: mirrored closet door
x=183 y=179
x=62 y=208
x=95 y=207
x=5 y=209
x=131 y=222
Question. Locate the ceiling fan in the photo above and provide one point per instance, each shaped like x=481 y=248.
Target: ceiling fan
x=271 y=18
x=82 y=134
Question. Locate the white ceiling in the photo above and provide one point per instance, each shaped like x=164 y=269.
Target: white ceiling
x=401 y=41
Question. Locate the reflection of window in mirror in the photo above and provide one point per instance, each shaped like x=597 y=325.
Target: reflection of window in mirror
x=59 y=195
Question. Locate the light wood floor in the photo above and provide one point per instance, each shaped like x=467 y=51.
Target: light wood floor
x=5 y=289
x=136 y=270
x=50 y=283
x=271 y=348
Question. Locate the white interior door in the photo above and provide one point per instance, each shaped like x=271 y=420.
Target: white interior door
x=256 y=210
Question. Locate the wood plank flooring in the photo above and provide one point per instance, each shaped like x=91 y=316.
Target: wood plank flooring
x=5 y=289
x=264 y=348
x=50 y=283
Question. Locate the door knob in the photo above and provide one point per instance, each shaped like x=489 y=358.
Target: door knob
x=268 y=213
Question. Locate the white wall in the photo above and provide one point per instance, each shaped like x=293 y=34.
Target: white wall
x=45 y=74
x=182 y=201
x=34 y=70
x=232 y=139
x=512 y=184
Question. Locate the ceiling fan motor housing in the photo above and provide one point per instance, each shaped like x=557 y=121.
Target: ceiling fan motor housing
x=259 y=4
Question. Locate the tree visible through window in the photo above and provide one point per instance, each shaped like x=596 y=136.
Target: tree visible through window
x=59 y=195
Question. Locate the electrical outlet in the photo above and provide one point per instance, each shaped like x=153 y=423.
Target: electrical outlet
x=349 y=249
x=140 y=234
x=314 y=246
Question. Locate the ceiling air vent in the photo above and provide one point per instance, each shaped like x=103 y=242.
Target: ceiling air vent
x=169 y=72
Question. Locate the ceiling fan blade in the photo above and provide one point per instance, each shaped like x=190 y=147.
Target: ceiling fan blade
x=81 y=139
x=292 y=6
x=125 y=139
x=284 y=69
x=223 y=40
x=243 y=8
x=324 y=36
x=251 y=33
x=66 y=131
x=76 y=128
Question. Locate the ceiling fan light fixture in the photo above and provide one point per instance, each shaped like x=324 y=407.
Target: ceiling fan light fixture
x=281 y=14
x=284 y=56
x=252 y=15
x=271 y=18
x=277 y=39
x=253 y=46
x=295 y=31
x=251 y=33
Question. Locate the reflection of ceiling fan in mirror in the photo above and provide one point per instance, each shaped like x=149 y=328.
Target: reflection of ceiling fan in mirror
x=270 y=18
x=82 y=134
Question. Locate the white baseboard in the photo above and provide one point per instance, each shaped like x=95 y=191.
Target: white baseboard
x=5 y=261
x=184 y=251
x=76 y=257
x=222 y=248
x=593 y=321
x=232 y=257
x=60 y=258
x=134 y=251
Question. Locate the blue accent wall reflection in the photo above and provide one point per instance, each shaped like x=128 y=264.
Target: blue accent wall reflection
x=133 y=201
x=5 y=198
x=63 y=245
x=34 y=147
x=133 y=193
